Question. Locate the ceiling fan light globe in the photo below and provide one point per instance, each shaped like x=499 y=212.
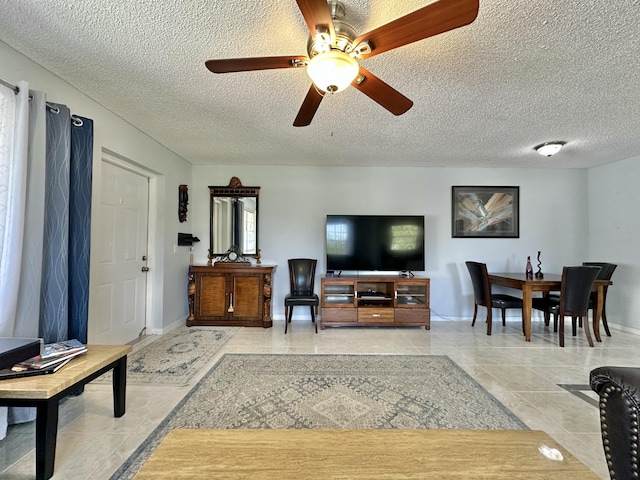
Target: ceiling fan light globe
x=332 y=71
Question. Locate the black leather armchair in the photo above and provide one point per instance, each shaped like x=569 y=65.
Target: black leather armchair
x=619 y=392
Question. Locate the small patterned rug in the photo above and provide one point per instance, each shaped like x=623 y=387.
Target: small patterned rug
x=176 y=357
x=331 y=391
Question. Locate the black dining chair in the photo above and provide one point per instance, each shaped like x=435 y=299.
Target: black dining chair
x=606 y=272
x=575 y=292
x=483 y=296
x=302 y=272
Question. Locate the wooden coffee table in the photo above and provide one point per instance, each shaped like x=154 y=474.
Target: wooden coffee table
x=359 y=454
x=45 y=392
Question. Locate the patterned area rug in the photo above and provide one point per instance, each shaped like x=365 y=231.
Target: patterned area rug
x=331 y=391
x=176 y=357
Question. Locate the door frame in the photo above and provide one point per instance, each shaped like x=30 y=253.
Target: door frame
x=153 y=300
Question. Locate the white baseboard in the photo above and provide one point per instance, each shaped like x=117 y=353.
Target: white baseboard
x=161 y=331
x=623 y=328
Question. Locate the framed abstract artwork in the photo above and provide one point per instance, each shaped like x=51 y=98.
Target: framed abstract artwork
x=482 y=212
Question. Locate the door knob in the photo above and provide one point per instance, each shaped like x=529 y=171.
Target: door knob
x=145 y=269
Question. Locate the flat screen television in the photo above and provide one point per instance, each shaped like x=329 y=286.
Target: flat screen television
x=375 y=243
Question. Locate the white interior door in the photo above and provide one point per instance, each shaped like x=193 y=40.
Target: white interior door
x=118 y=307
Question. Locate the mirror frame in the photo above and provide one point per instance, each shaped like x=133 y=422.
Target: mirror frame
x=235 y=189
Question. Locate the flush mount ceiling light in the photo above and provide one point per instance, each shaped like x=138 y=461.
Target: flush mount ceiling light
x=549 y=148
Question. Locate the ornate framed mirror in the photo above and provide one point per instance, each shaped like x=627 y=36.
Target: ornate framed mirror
x=233 y=221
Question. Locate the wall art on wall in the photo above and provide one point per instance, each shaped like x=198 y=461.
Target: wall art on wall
x=183 y=201
x=481 y=212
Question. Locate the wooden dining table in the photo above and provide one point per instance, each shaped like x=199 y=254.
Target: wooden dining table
x=549 y=283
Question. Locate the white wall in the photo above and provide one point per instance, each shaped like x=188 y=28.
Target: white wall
x=116 y=136
x=614 y=230
x=570 y=215
x=295 y=200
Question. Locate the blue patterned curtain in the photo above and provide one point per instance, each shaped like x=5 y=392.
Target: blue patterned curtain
x=80 y=225
x=65 y=269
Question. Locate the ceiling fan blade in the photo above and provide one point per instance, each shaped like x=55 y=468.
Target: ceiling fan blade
x=437 y=17
x=256 y=63
x=318 y=17
x=380 y=92
x=309 y=107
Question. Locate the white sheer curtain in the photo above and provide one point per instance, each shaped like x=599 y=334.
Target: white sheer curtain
x=14 y=136
x=19 y=268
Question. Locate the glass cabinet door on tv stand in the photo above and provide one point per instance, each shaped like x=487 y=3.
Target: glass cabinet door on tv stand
x=409 y=295
x=339 y=294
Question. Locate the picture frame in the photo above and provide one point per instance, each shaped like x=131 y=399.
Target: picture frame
x=485 y=212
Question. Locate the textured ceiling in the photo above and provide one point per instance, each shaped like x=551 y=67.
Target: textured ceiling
x=523 y=73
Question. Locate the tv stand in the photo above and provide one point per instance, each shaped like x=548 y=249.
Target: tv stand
x=382 y=301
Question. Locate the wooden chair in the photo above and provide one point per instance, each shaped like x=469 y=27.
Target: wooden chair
x=483 y=296
x=302 y=272
x=575 y=292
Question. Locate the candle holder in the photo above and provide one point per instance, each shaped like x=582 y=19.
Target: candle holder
x=539 y=272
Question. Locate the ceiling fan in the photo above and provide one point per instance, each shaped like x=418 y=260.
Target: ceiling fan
x=334 y=47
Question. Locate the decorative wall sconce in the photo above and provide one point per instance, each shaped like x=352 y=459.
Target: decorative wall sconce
x=183 y=201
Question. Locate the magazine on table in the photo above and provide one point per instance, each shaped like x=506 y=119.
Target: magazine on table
x=63 y=347
x=43 y=361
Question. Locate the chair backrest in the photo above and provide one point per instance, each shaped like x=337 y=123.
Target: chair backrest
x=606 y=269
x=302 y=272
x=480 y=281
x=575 y=289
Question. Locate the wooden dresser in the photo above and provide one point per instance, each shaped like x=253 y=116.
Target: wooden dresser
x=230 y=294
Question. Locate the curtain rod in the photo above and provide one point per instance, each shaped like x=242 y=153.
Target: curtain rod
x=76 y=121
x=15 y=88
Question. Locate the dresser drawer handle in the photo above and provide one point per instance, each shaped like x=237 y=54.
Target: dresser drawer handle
x=375 y=315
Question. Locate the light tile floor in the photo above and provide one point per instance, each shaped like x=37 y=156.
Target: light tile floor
x=524 y=376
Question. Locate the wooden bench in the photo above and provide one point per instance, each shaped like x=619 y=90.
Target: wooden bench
x=45 y=392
